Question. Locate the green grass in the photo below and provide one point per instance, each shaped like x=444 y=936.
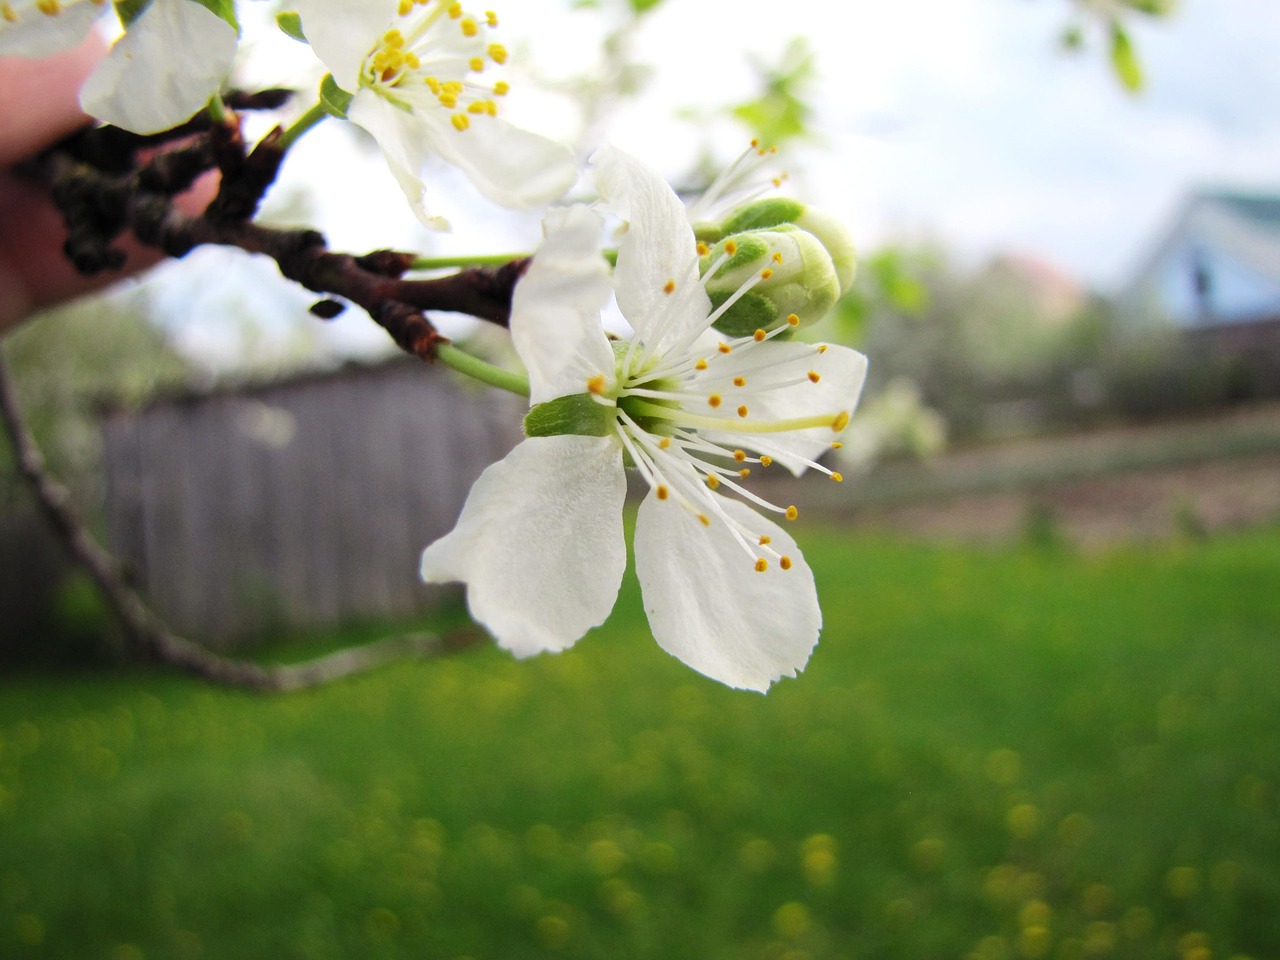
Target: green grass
x=992 y=755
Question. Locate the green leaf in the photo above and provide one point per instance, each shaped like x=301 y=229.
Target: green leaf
x=577 y=414
x=333 y=98
x=291 y=25
x=130 y=10
x=222 y=9
x=1124 y=60
x=644 y=6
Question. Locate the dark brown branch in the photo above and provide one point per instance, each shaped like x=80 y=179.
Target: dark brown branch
x=101 y=197
x=150 y=638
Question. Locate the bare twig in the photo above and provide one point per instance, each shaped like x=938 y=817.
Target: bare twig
x=150 y=637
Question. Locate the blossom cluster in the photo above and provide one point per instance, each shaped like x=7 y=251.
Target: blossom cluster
x=712 y=389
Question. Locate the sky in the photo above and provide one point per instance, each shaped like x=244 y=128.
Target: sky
x=959 y=122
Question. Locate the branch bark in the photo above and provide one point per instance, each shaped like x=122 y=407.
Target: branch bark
x=152 y=639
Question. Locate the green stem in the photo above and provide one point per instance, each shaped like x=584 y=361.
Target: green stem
x=217 y=109
x=302 y=125
x=478 y=369
x=471 y=260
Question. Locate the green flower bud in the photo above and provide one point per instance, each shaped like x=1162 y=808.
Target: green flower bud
x=802 y=281
x=775 y=211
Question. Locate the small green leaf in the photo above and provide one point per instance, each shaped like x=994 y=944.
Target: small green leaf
x=577 y=414
x=291 y=25
x=333 y=98
x=1124 y=59
x=222 y=9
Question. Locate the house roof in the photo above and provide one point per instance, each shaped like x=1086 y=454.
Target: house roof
x=1243 y=225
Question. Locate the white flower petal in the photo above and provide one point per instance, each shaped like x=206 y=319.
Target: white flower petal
x=512 y=167
x=343 y=32
x=657 y=247
x=35 y=34
x=555 y=311
x=163 y=70
x=402 y=137
x=841 y=373
x=710 y=608
x=540 y=543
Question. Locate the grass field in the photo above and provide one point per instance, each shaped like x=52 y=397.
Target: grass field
x=993 y=754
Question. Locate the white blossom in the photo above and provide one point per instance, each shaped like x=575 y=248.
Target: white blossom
x=540 y=540
x=165 y=68
x=417 y=70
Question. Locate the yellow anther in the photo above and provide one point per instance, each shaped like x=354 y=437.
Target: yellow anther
x=704 y=520
x=765 y=541
x=739 y=381
x=490 y=108
x=703 y=249
x=744 y=472
x=700 y=365
x=596 y=384
x=449 y=101
x=460 y=121
x=766 y=273
x=740 y=455
x=791 y=513
x=405 y=7
x=476 y=106
x=669 y=287
x=762 y=565
x=822 y=348
x=10 y=15
x=742 y=411
x=755 y=143
x=469 y=27
x=664 y=443
x=759 y=336
x=730 y=247
x=793 y=320
x=501 y=88
x=777 y=258
x=713 y=481
x=714 y=400
x=766 y=461
x=838 y=477
x=785 y=563
x=777 y=181
x=455 y=10
x=50 y=8
x=836 y=444
x=491 y=18
x=813 y=376
x=662 y=493
x=497 y=53
x=411 y=60
x=725 y=348
x=393 y=39
x=841 y=421
x=432 y=84
x=476 y=64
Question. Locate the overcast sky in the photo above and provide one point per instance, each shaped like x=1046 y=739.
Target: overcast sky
x=963 y=120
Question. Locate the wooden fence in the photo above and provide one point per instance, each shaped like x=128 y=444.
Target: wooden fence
x=301 y=504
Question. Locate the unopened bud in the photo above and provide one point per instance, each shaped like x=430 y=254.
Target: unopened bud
x=790 y=272
x=830 y=232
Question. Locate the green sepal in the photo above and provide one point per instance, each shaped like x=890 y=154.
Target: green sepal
x=130 y=10
x=290 y=25
x=763 y=214
x=223 y=10
x=1124 y=59
x=751 y=312
x=750 y=250
x=333 y=98
x=577 y=414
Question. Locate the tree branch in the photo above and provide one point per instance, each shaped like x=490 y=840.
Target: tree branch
x=150 y=638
